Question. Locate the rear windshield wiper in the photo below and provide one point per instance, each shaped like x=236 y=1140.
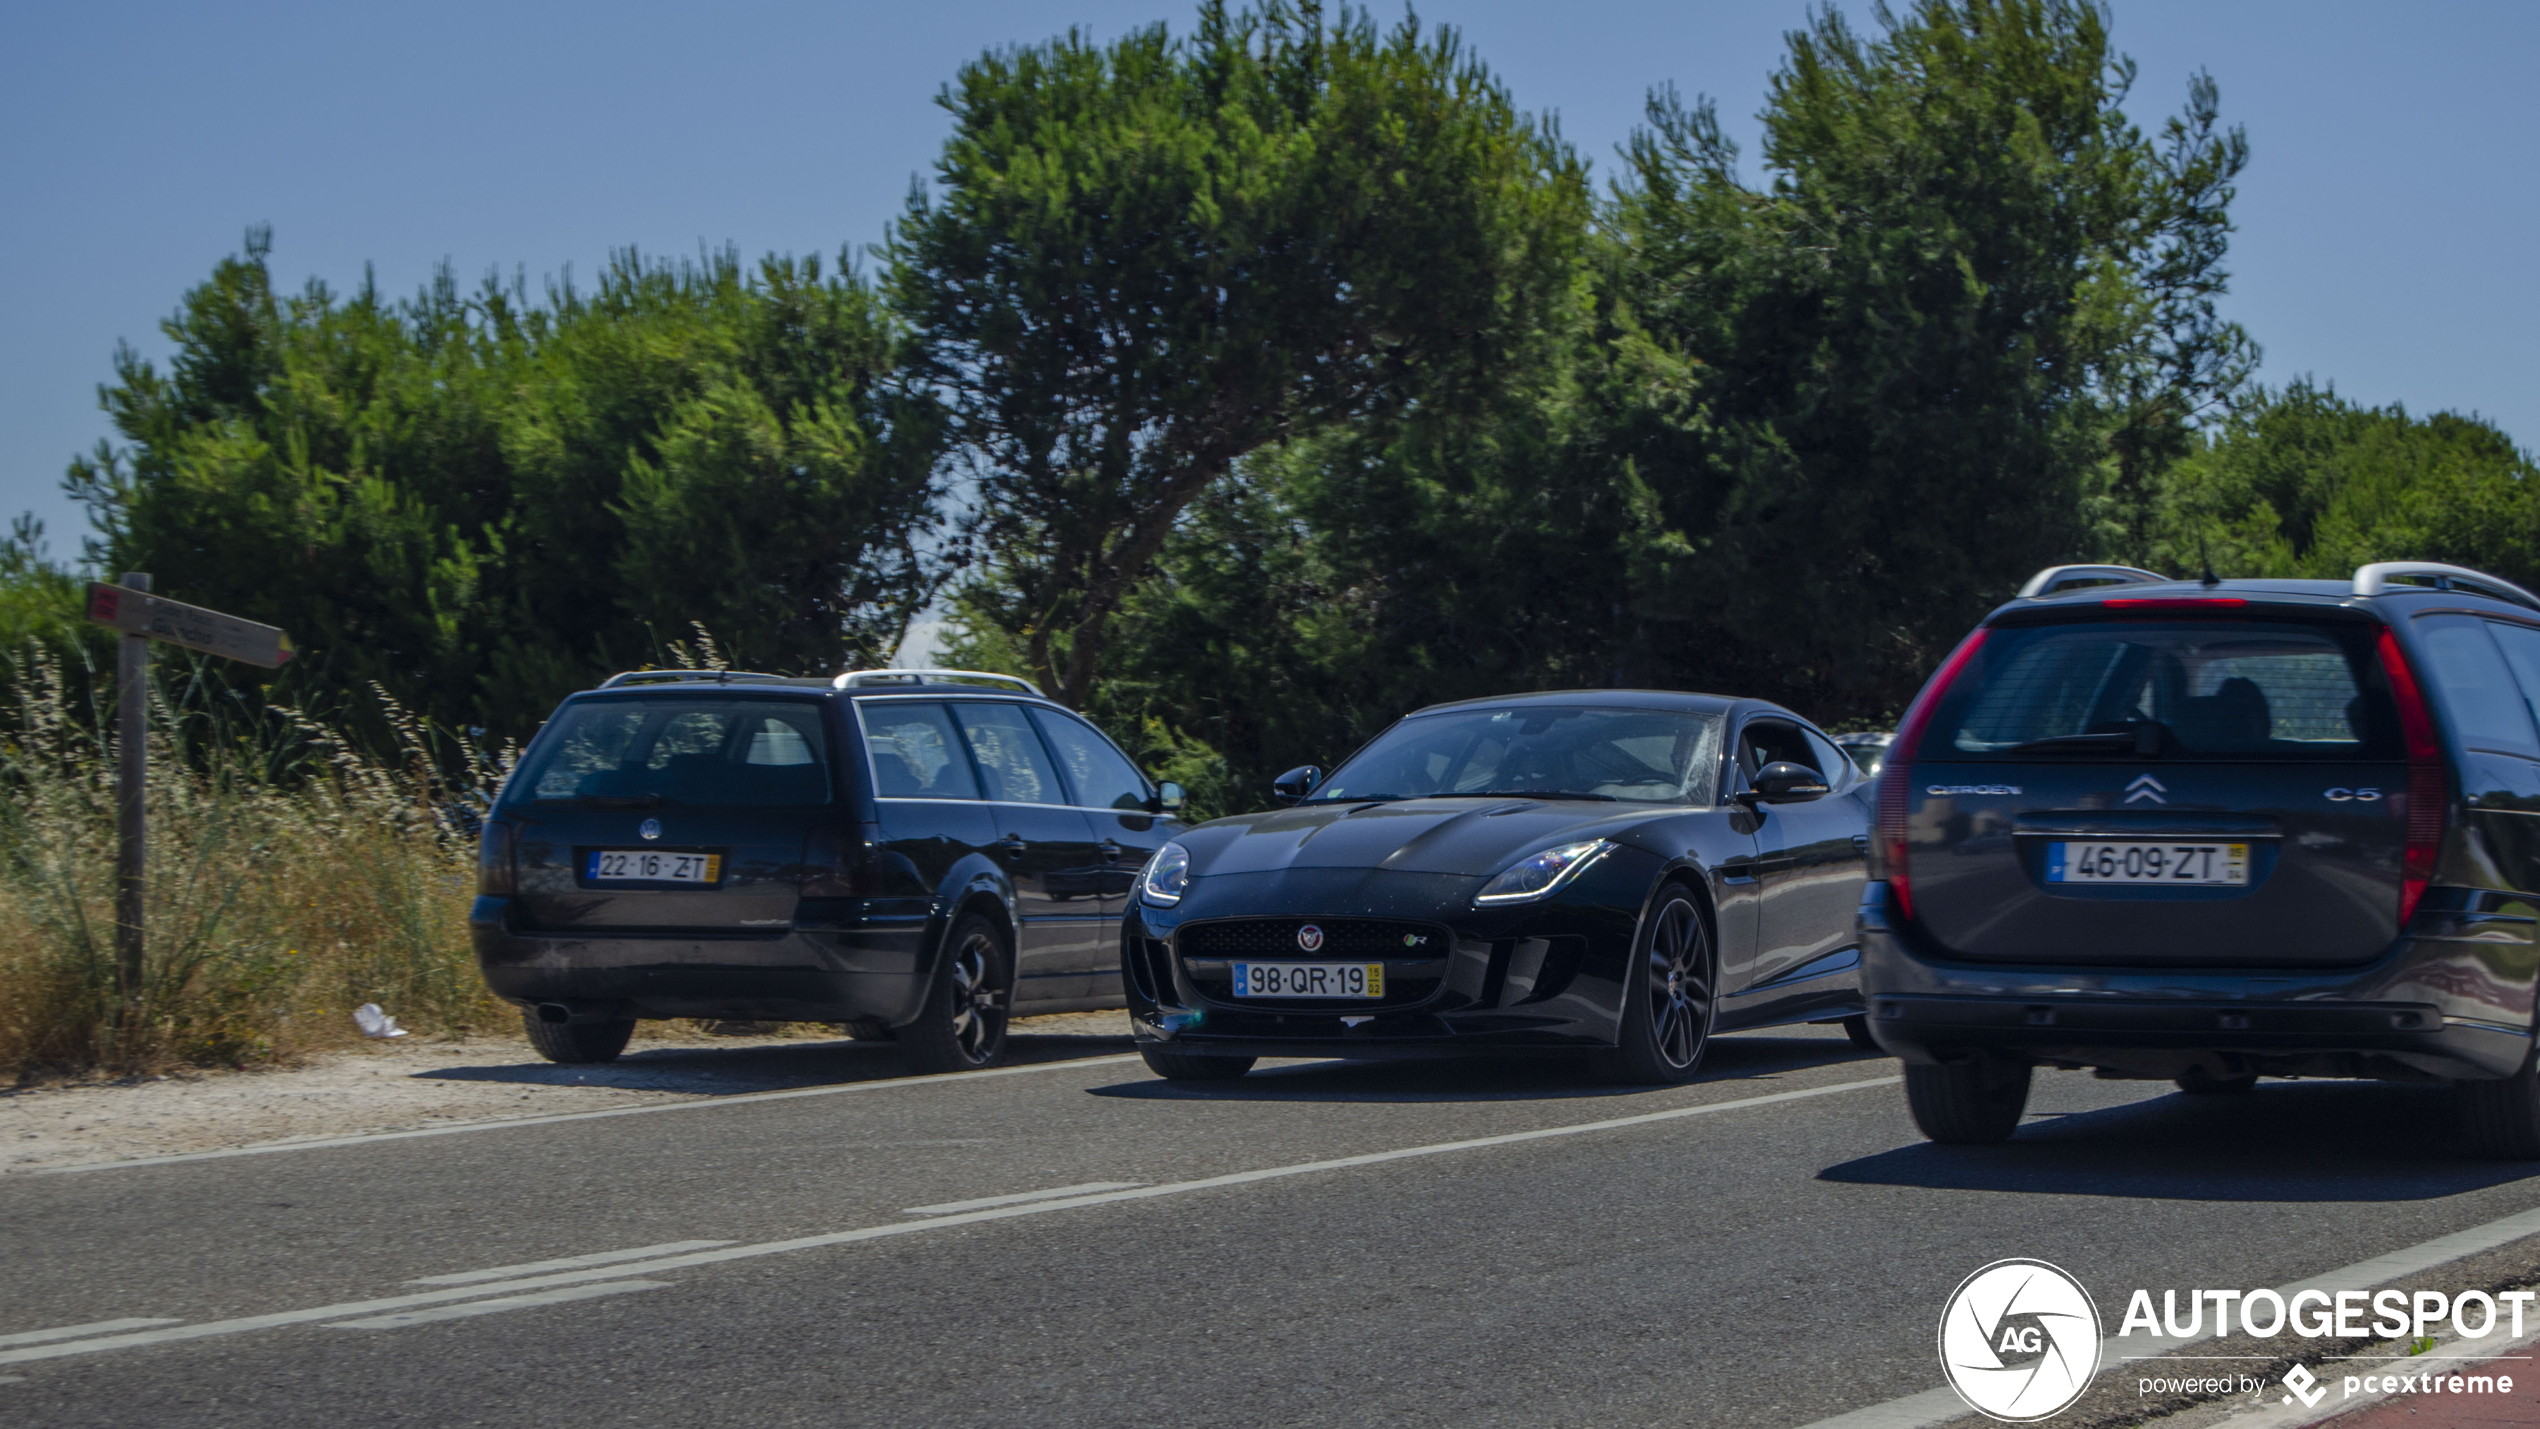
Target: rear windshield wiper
x=2143 y=739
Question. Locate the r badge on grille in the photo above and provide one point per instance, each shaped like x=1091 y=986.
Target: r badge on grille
x=1310 y=938
x=650 y=828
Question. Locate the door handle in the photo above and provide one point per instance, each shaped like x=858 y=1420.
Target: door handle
x=1110 y=850
x=1860 y=843
x=1012 y=843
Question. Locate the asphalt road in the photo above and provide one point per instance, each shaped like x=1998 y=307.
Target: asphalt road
x=1741 y=1262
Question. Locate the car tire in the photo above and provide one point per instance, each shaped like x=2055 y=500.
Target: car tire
x=2501 y=1118
x=1968 y=1103
x=1669 y=998
x=868 y=1029
x=1858 y=1029
x=2204 y=1084
x=577 y=1042
x=962 y=1026
x=1194 y=1066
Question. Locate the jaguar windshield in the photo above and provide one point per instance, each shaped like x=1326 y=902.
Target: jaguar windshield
x=1538 y=751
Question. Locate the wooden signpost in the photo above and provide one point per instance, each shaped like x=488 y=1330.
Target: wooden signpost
x=143 y=617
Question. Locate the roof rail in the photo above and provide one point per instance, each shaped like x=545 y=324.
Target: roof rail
x=2054 y=580
x=854 y=679
x=2383 y=577
x=682 y=677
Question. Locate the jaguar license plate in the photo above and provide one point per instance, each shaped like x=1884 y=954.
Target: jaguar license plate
x=645 y=865
x=2189 y=865
x=1360 y=980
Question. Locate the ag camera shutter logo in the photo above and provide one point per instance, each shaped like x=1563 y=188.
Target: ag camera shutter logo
x=2019 y=1340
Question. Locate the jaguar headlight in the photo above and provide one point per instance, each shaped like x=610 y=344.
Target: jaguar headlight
x=1537 y=875
x=1166 y=877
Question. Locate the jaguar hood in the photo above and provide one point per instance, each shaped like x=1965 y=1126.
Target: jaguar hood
x=1471 y=837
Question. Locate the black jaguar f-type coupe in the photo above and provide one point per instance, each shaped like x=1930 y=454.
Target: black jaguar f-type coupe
x=1618 y=873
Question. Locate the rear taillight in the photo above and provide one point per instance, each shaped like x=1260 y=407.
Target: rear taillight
x=833 y=864
x=2427 y=794
x=494 y=868
x=1896 y=780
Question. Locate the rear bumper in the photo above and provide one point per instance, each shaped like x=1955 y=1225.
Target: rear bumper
x=799 y=975
x=2451 y=998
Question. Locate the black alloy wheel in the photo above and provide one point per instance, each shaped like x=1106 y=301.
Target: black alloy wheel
x=963 y=1025
x=1668 y=998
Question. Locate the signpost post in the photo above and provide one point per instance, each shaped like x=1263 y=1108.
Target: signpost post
x=130 y=608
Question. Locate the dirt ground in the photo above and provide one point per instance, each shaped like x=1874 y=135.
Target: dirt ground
x=413 y=1082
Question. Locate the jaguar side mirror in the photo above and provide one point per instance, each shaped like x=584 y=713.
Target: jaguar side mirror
x=1288 y=788
x=1167 y=800
x=1782 y=782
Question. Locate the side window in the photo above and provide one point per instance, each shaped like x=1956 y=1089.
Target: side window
x=2521 y=644
x=1011 y=760
x=2486 y=705
x=915 y=753
x=1773 y=742
x=1830 y=759
x=1102 y=778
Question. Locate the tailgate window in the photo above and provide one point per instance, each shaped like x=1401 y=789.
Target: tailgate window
x=2216 y=689
x=713 y=753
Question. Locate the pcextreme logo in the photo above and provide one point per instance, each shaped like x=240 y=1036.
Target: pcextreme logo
x=2019 y=1340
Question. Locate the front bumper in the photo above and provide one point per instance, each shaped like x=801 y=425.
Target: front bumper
x=1540 y=977
x=2451 y=998
x=855 y=968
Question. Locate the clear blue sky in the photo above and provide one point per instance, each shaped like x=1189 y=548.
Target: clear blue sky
x=2386 y=239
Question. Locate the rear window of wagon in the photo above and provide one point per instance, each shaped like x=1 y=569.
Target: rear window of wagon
x=2207 y=689
x=724 y=752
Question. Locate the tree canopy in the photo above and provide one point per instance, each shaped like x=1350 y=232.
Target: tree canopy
x=1258 y=382
x=1151 y=259
x=480 y=503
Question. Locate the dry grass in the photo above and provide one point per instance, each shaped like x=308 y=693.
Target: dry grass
x=292 y=879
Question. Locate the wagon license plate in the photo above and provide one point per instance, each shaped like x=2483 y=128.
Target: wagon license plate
x=2191 y=865
x=644 y=865
x=1361 y=980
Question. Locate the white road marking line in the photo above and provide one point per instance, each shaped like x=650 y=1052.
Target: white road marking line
x=741 y=1099
x=490 y=1307
x=1938 y=1406
x=984 y=1202
x=569 y=1262
x=780 y=1247
x=73 y=1332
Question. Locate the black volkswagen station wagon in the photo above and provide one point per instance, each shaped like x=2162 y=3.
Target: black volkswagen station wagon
x=906 y=852
x=2216 y=830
